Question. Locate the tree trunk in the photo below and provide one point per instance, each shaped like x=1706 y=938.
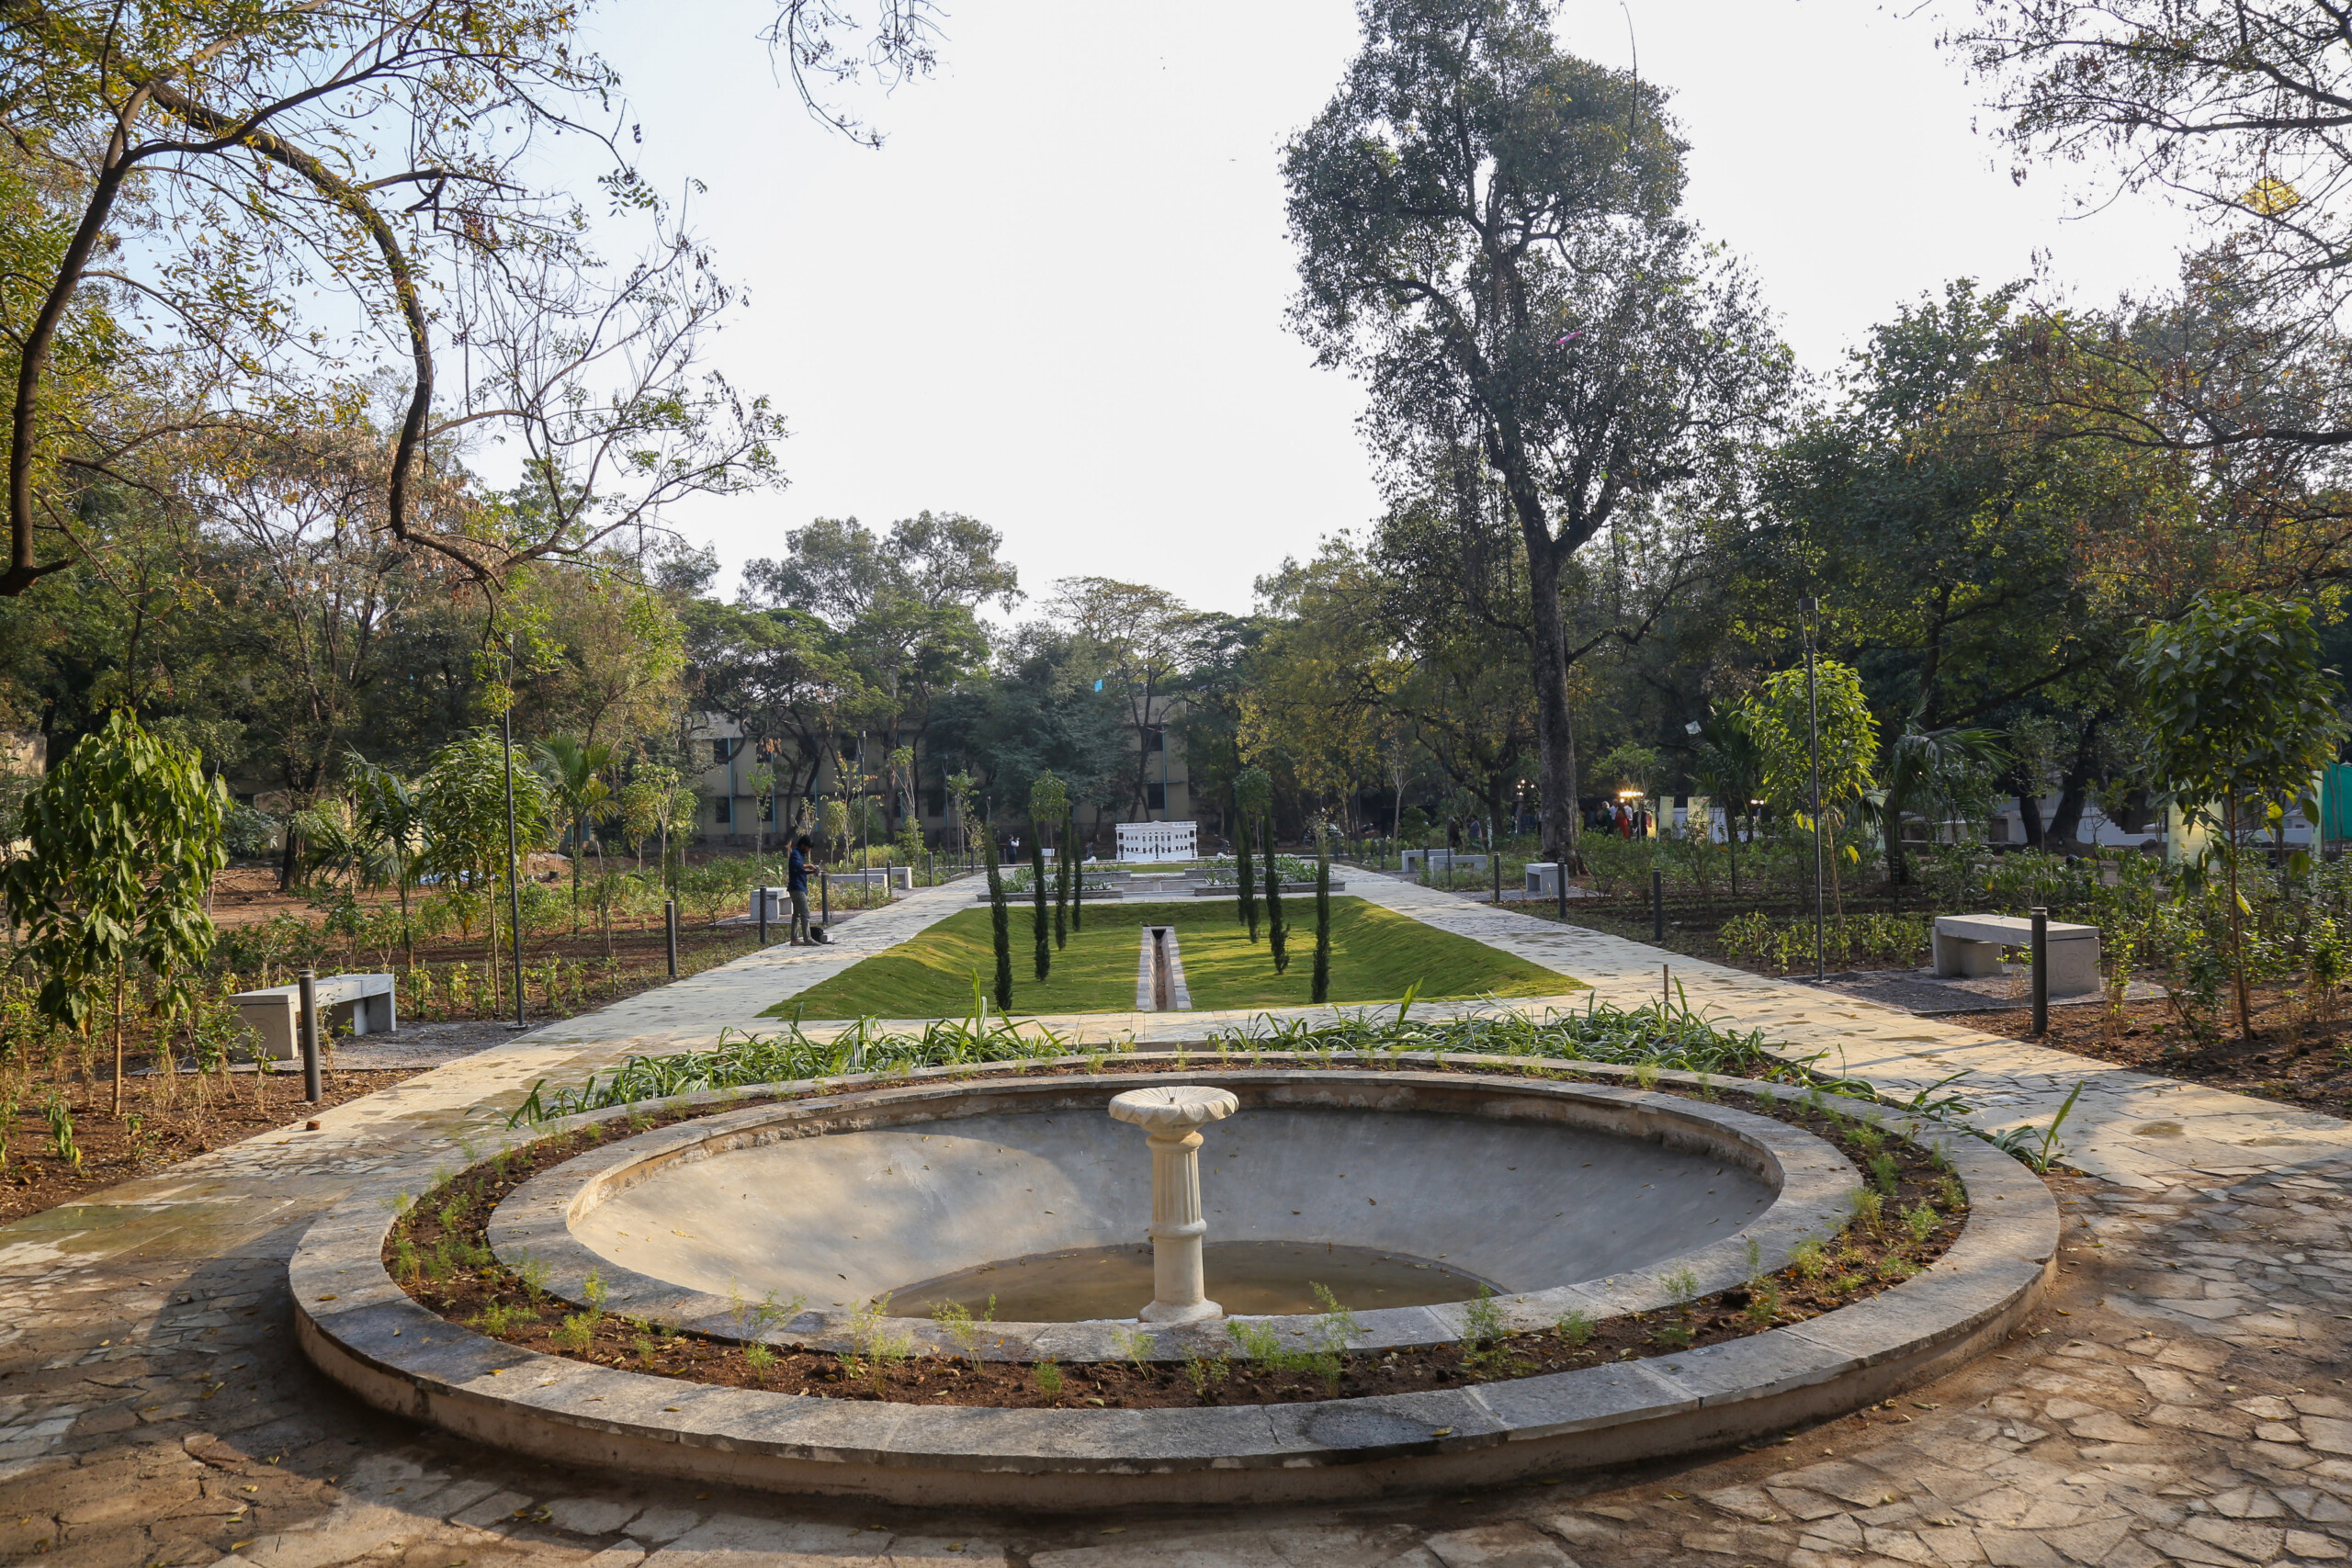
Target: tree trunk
x=2237 y=927
x=2029 y=815
x=118 y=981
x=1555 y=743
x=2073 y=791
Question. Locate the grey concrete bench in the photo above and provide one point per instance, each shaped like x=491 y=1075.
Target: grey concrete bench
x=365 y=1004
x=1972 y=944
x=1441 y=860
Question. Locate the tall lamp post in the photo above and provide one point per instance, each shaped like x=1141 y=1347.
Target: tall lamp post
x=1811 y=609
x=513 y=886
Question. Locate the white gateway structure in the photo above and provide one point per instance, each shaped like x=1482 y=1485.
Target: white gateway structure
x=1160 y=840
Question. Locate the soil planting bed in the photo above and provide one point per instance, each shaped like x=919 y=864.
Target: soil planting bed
x=440 y=1253
x=2293 y=1058
x=35 y=1178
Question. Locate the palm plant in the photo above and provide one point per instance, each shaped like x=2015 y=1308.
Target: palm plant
x=1926 y=769
x=1730 y=768
x=575 y=772
x=386 y=806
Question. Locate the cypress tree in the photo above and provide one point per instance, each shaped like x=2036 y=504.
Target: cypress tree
x=1276 y=937
x=1061 y=896
x=1037 y=880
x=1244 y=862
x=999 y=924
x=1323 y=919
x=1077 y=882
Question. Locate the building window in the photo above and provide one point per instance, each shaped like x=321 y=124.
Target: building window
x=722 y=810
x=1155 y=795
x=718 y=750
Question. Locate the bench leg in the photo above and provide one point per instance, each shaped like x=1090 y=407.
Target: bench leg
x=1956 y=956
x=2074 y=968
x=274 y=1024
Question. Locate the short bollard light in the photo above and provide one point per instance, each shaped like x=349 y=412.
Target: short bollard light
x=1172 y=1119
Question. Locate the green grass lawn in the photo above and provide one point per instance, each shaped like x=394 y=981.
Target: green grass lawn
x=1375 y=954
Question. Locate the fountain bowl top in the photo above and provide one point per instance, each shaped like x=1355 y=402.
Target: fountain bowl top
x=1178 y=1105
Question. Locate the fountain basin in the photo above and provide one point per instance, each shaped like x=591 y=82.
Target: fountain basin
x=1569 y=1196
x=365 y=1332
x=1519 y=1200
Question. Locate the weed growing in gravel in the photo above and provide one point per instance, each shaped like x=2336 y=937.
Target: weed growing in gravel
x=1328 y=1340
x=1049 y=1380
x=1133 y=1343
x=1885 y=1173
x=1682 y=1287
x=1204 y=1371
x=1576 y=1328
x=955 y=1320
x=576 y=1333
x=1922 y=1218
x=1808 y=1258
x=1868 y=1206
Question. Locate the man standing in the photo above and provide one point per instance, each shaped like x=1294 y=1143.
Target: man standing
x=795 y=883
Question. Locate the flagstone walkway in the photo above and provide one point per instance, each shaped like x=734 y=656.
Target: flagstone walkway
x=2180 y=1400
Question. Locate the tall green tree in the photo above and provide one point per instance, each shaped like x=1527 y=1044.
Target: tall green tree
x=1041 y=890
x=1000 y=922
x=2241 y=716
x=386 y=806
x=464 y=799
x=1322 y=918
x=124 y=839
x=1780 y=717
x=577 y=787
x=1253 y=795
x=1488 y=232
x=1277 y=933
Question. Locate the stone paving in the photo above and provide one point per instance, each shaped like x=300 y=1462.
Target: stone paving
x=2180 y=1400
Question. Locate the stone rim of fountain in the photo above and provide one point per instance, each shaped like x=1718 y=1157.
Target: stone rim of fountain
x=361 y=1328
x=533 y=1223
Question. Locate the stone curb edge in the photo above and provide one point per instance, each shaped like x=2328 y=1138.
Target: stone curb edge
x=365 y=1332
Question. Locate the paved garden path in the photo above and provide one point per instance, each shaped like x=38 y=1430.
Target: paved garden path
x=2178 y=1403
x=2127 y=1127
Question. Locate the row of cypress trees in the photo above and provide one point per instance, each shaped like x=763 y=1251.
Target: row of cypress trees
x=1069 y=910
x=1254 y=826
x=1061 y=895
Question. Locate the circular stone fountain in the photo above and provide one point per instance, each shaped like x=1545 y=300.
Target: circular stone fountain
x=1402 y=1192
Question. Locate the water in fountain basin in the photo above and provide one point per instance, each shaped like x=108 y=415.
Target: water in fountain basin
x=1244 y=1277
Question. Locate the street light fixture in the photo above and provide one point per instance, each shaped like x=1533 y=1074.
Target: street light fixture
x=1811 y=609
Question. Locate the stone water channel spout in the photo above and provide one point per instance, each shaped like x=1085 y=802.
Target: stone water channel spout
x=1172 y=1119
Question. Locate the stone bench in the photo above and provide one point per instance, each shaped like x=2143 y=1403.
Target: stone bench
x=1972 y=944
x=364 y=1004
x=1441 y=860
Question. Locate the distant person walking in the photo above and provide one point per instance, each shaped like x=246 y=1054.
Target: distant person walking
x=795 y=883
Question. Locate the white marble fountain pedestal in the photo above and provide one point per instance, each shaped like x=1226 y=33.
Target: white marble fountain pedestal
x=1172 y=1119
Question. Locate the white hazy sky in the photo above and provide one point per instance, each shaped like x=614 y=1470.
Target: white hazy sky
x=1055 y=298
